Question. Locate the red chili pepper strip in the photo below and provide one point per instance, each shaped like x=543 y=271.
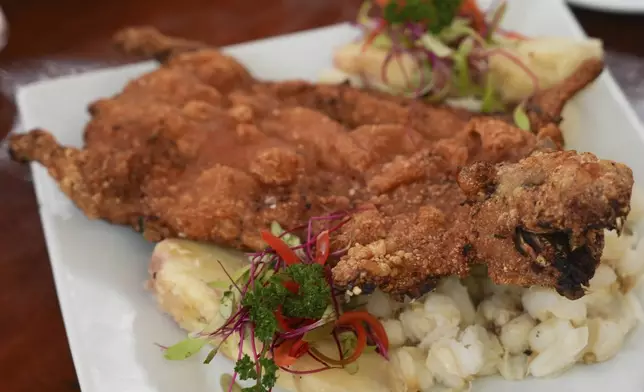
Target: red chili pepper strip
x=322 y=245
x=470 y=9
x=513 y=35
x=366 y=317
x=361 y=335
x=287 y=353
x=283 y=250
x=281 y=320
x=281 y=355
x=300 y=347
x=291 y=286
x=287 y=324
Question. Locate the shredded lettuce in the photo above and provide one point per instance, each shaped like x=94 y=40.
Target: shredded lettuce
x=521 y=118
x=227 y=304
x=242 y=274
x=490 y=102
x=459 y=28
x=348 y=343
x=497 y=17
x=382 y=41
x=210 y=356
x=363 y=13
x=436 y=46
x=185 y=349
x=462 y=78
x=291 y=239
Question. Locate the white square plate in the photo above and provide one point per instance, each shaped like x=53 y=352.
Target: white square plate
x=113 y=323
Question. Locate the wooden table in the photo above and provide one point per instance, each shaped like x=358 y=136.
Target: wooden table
x=50 y=38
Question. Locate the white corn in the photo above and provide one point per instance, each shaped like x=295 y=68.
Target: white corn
x=548 y=333
x=454 y=289
x=513 y=367
x=380 y=305
x=561 y=355
x=514 y=334
x=395 y=332
x=499 y=309
x=542 y=303
x=605 y=338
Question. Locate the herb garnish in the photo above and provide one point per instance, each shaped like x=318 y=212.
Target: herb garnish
x=284 y=302
x=435 y=14
x=311 y=299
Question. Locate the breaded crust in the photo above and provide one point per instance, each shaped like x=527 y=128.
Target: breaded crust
x=199 y=149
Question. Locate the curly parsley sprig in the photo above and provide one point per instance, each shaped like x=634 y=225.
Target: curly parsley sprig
x=435 y=14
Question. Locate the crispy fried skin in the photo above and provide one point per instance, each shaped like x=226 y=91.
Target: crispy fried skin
x=351 y=106
x=199 y=149
x=541 y=221
x=536 y=222
x=102 y=183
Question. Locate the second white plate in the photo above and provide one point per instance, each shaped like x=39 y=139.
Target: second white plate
x=615 y=6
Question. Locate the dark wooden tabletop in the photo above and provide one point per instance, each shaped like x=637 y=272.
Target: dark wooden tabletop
x=56 y=37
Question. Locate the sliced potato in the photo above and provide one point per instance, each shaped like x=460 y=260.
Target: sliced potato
x=551 y=60
x=180 y=271
x=402 y=70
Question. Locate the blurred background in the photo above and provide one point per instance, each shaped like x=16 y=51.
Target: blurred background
x=50 y=38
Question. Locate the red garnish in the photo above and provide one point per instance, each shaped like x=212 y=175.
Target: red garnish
x=291 y=286
x=471 y=10
x=287 y=353
x=512 y=35
x=283 y=250
x=355 y=321
x=322 y=245
x=281 y=320
x=361 y=344
x=374 y=324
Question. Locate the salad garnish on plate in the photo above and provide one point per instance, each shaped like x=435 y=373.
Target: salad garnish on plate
x=281 y=304
x=456 y=52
